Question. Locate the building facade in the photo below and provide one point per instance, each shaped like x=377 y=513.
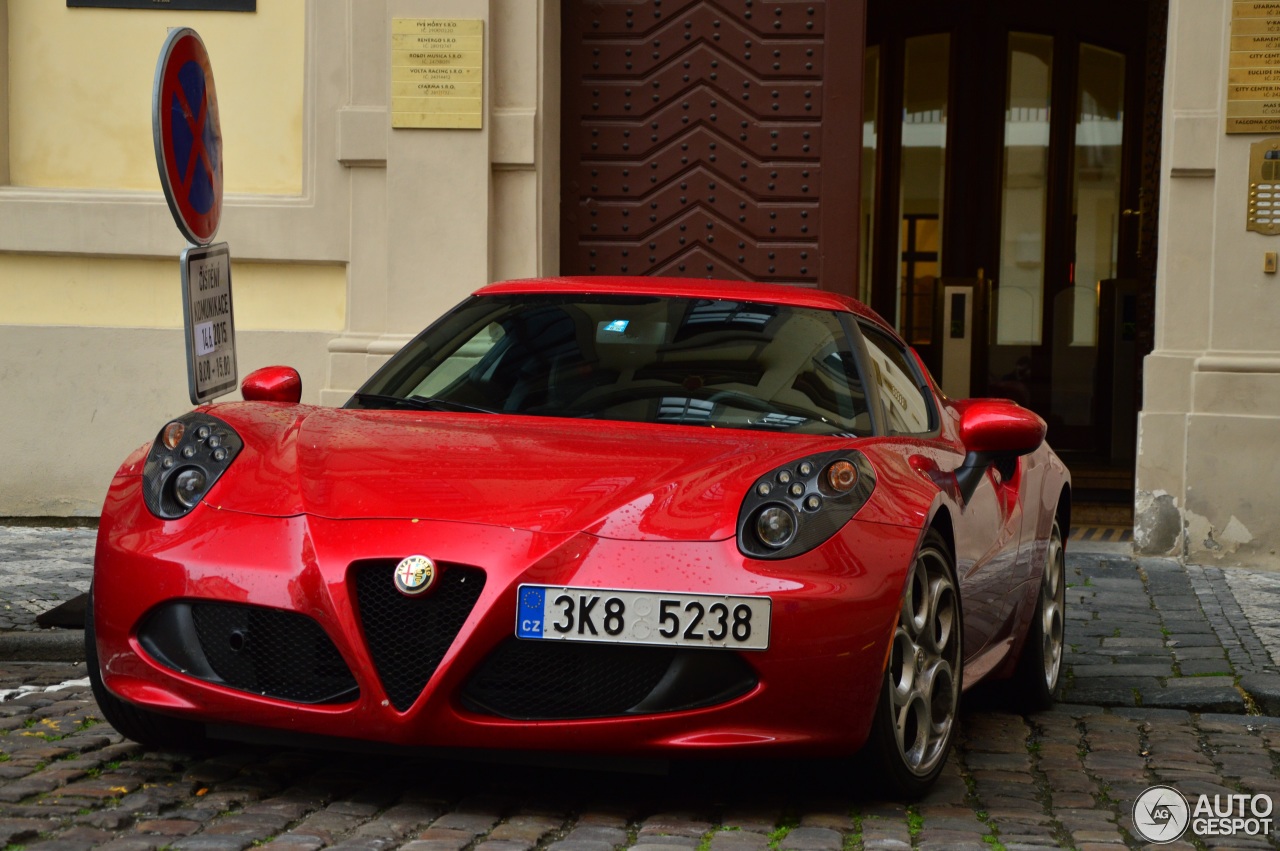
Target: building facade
x=1042 y=197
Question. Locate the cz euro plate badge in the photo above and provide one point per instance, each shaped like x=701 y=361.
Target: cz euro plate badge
x=605 y=616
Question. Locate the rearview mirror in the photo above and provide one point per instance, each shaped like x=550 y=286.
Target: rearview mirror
x=272 y=384
x=994 y=430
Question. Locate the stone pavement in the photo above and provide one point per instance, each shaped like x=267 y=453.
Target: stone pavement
x=39 y=568
x=1152 y=633
x=1159 y=655
x=1064 y=778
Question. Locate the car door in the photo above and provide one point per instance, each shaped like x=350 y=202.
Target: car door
x=988 y=526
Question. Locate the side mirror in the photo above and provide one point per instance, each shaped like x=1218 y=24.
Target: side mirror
x=272 y=384
x=993 y=430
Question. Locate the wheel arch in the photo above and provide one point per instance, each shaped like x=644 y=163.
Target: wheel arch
x=944 y=525
x=883 y=748
x=1062 y=513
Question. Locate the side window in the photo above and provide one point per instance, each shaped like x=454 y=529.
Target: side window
x=908 y=409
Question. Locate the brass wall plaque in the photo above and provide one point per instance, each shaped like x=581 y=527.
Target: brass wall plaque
x=1256 y=9
x=437 y=73
x=1253 y=75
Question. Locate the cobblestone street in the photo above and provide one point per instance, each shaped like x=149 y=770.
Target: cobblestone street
x=1065 y=778
x=41 y=567
x=639 y=425
x=1170 y=678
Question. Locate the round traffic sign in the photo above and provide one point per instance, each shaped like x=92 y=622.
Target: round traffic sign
x=188 y=138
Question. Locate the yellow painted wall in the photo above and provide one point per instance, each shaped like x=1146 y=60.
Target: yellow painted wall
x=80 y=85
x=135 y=293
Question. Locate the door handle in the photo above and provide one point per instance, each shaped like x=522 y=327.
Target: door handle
x=1139 y=214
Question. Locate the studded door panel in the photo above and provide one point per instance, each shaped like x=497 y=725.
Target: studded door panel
x=696 y=142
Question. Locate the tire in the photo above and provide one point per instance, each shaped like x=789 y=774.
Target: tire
x=915 y=717
x=161 y=732
x=1039 y=671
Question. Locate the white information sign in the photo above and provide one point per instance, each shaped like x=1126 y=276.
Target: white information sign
x=209 y=322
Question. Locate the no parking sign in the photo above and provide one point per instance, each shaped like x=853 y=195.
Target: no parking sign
x=188 y=142
x=188 y=137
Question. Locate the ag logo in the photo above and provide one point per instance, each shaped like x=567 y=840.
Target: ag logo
x=415 y=575
x=1161 y=814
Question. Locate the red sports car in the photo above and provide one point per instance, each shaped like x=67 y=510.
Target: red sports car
x=635 y=516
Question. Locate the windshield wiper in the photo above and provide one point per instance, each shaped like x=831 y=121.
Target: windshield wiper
x=417 y=403
x=434 y=404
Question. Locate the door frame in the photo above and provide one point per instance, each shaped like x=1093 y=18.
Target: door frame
x=972 y=202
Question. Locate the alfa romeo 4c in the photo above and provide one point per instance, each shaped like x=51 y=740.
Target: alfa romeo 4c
x=633 y=516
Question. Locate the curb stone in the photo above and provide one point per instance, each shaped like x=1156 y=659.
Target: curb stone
x=1264 y=688
x=56 y=645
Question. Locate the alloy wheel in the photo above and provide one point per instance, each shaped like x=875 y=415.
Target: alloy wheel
x=1052 y=597
x=923 y=675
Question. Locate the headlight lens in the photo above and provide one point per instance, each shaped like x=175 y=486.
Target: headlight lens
x=797 y=506
x=775 y=526
x=187 y=458
x=189 y=485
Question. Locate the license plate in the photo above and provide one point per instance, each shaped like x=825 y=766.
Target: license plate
x=642 y=617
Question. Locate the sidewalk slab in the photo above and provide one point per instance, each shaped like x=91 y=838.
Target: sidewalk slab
x=1157 y=635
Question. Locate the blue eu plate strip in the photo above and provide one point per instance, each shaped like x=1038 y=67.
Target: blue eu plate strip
x=532 y=607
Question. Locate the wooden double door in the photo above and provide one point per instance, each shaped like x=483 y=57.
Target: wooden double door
x=712 y=138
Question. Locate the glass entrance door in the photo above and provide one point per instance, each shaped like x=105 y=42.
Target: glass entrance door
x=1044 y=329
x=1008 y=168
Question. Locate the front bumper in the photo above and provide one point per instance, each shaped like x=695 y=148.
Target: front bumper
x=812 y=691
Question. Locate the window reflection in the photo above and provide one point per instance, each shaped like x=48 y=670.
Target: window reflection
x=870 y=145
x=921 y=244
x=924 y=155
x=695 y=361
x=1019 y=308
x=1099 y=132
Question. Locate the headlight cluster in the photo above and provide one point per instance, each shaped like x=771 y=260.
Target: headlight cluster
x=187 y=457
x=798 y=506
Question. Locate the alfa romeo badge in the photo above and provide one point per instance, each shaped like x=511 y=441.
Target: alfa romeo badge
x=415 y=575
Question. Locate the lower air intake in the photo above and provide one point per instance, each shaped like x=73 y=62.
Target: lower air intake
x=547 y=680
x=274 y=653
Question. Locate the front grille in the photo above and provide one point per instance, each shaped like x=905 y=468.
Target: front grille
x=408 y=636
x=274 y=653
x=545 y=680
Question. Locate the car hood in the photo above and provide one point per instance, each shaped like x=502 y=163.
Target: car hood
x=620 y=480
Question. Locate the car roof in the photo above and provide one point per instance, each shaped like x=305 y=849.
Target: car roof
x=786 y=294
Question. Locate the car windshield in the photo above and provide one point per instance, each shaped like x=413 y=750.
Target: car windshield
x=686 y=361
